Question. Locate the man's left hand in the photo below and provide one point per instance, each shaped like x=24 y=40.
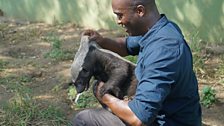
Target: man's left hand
x=96 y=90
x=117 y=106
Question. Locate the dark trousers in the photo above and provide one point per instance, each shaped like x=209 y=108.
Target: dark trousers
x=96 y=117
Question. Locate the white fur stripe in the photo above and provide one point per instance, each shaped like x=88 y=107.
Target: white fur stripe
x=116 y=55
x=80 y=56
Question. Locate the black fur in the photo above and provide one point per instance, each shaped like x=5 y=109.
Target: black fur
x=117 y=74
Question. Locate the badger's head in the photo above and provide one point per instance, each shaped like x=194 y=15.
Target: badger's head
x=82 y=66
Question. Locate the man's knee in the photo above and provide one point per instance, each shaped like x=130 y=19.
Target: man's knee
x=96 y=117
x=81 y=119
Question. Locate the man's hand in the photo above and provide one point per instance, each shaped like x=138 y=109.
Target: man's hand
x=93 y=36
x=117 y=45
x=96 y=91
x=117 y=106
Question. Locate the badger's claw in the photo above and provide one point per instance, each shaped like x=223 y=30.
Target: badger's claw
x=95 y=85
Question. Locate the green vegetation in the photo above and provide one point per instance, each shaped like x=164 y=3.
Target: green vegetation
x=56 y=51
x=2 y=27
x=197 y=47
x=133 y=59
x=15 y=84
x=3 y=64
x=23 y=110
x=220 y=74
x=86 y=100
x=199 y=57
x=208 y=96
x=220 y=71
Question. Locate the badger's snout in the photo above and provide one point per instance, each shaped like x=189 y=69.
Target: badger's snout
x=79 y=88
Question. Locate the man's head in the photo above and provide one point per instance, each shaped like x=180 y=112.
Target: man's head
x=136 y=16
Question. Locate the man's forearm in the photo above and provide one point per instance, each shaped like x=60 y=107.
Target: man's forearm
x=118 y=45
x=121 y=109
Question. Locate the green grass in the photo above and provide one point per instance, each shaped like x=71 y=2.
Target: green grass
x=198 y=56
x=3 y=26
x=3 y=64
x=86 y=100
x=23 y=110
x=56 y=51
x=133 y=59
x=220 y=70
x=198 y=48
x=219 y=74
x=14 y=83
x=208 y=94
x=208 y=97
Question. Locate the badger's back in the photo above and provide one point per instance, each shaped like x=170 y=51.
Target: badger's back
x=110 y=62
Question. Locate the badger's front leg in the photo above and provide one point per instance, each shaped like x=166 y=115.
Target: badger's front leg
x=95 y=86
x=110 y=89
x=114 y=84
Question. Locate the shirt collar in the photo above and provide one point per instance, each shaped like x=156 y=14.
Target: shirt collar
x=151 y=32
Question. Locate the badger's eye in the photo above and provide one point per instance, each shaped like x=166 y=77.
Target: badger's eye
x=85 y=70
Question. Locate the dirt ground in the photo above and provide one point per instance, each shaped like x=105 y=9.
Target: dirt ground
x=24 y=45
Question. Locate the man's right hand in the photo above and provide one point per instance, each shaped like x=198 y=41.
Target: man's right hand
x=94 y=36
x=117 y=45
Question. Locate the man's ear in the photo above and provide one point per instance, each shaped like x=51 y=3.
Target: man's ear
x=140 y=9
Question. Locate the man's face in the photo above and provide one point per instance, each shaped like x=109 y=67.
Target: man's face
x=127 y=17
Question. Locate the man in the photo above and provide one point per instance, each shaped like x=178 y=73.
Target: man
x=167 y=91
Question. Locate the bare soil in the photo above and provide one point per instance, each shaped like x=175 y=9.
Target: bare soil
x=24 y=46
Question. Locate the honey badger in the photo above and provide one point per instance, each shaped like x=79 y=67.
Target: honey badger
x=116 y=72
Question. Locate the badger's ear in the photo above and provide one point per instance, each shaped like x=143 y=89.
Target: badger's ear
x=92 y=47
x=94 y=44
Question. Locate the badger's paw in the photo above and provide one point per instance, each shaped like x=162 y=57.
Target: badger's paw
x=109 y=89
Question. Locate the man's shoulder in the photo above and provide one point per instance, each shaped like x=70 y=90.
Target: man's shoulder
x=165 y=40
x=167 y=29
x=169 y=36
x=170 y=31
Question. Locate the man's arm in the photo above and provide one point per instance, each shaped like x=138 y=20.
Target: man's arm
x=119 y=107
x=117 y=45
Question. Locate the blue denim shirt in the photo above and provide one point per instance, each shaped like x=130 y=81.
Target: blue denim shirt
x=167 y=91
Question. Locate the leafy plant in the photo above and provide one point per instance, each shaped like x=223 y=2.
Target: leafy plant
x=71 y=93
x=133 y=59
x=56 y=52
x=208 y=96
x=86 y=100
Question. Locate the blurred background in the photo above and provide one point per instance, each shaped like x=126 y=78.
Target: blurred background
x=202 y=17
x=39 y=39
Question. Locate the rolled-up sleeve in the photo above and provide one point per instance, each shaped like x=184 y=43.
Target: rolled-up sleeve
x=157 y=72
x=133 y=45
